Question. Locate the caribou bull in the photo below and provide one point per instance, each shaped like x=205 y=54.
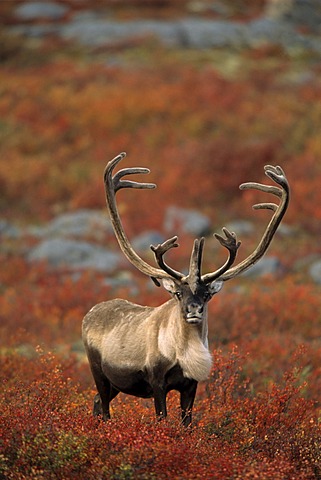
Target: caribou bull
x=148 y=351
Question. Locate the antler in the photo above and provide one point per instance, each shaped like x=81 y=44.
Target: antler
x=115 y=183
x=278 y=176
x=112 y=185
x=160 y=250
x=230 y=242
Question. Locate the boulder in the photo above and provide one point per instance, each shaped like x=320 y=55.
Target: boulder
x=31 y=11
x=268 y=265
x=315 y=271
x=81 y=223
x=200 y=33
x=269 y=31
x=9 y=230
x=305 y=13
x=143 y=241
x=242 y=228
x=99 y=31
x=74 y=255
x=187 y=221
x=123 y=279
x=92 y=30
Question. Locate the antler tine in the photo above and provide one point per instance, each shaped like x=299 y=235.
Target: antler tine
x=278 y=176
x=112 y=185
x=159 y=252
x=230 y=242
x=118 y=183
x=194 y=274
x=263 y=188
x=267 y=206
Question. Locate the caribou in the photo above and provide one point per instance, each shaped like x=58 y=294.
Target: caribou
x=148 y=351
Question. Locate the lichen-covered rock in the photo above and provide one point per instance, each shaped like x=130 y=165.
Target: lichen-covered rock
x=74 y=255
x=80 y=223
x=28 y=11
x=186 y=221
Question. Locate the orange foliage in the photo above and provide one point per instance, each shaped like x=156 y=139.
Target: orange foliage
x=257 y=413
x=64 y=121
x=46 y=429
x=38 y=306
x=201 y=134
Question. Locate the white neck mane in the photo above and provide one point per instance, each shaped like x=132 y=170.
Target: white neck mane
x=185 y=344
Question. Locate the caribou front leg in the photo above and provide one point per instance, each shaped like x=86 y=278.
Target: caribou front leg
x=187 y=402
x=160 y=402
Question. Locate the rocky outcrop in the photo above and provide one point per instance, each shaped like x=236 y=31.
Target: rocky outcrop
x=91 y=29
x=315 y=271
x=84 y=240
x=93 y=224
x=74 y=255
x=187 y=221
x=300 y=13
x=35 y=11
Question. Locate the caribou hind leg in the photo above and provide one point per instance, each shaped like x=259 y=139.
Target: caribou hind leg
x=98 y=407
x=106 y=392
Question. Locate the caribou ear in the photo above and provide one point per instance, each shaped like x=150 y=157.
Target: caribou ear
x=216 y=286
x=169 y=285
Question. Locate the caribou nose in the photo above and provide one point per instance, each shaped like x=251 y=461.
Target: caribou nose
x=195 y=309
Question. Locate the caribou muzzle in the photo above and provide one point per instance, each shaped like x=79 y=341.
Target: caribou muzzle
x=195 y=313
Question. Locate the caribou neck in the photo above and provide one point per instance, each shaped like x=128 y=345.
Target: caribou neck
x=185 y=330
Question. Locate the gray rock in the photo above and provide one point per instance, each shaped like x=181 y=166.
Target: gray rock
x=8 y=230
x=241 y=227
x=37 y=10
x=121 y=280
x=85 y=16
x=95 y=32
x=35 y=31
x=146 y=239
x=81 y=223
x=92 y=32
x=298 y=12
x=315 y=271
x=198 y=33
x=167 y=32
x=72 y=254
x=194 y=32
x=285 y=230
x=267 y=30
x=244 y=228
x=268 y=265
x=187 y=221
x=304 y=263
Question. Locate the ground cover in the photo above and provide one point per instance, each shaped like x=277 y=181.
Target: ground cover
x=220 y=116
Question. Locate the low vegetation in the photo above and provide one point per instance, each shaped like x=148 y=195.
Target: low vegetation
x=203 y=122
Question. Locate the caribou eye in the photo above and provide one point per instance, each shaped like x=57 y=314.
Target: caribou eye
x=178 y=295
x=207 y=296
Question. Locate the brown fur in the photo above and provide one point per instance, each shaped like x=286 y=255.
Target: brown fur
x=135 y=349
